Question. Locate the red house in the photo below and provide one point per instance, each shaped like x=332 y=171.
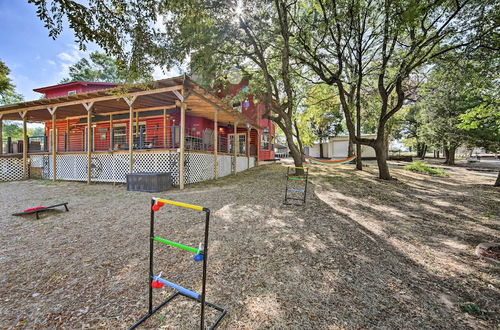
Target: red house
x=173 y=117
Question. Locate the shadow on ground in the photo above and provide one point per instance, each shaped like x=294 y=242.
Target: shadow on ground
x=362 y=253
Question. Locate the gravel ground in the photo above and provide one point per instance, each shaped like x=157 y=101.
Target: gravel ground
x=361 y=254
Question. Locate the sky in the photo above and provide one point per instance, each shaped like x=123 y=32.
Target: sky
x=35 y=60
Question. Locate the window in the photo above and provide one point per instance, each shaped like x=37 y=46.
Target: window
x=72 y=92
x=265 y=141
x=119 y=136
x=241 y=146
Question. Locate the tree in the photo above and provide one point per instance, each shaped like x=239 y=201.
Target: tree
x=483 y=123
x=457 y=85
x=99 y=68
x=220 y=39
x=8 y=93
x=322 y=116
x=349 y=44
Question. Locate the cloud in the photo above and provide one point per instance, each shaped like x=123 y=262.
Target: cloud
x=72 y=55
x=67 y=59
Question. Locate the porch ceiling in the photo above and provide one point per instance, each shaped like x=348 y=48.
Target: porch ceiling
x=152 y=96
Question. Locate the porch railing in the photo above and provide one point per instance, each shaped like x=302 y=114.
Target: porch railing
x=116 y=139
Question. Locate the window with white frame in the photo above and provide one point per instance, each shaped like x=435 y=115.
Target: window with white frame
x=265 y=140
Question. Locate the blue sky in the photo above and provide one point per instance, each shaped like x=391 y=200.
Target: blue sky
x=35 y=60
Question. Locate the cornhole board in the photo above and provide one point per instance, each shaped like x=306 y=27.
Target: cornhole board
x=37 y=210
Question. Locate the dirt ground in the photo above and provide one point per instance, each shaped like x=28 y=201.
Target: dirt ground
x=362 y=253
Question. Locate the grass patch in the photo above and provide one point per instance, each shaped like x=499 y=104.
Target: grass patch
x=422 y=167
x=472 y=308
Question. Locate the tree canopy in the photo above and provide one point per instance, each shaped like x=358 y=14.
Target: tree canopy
x=99 y=67
x=8 y=92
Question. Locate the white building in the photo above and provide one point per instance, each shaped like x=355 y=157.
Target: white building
x=337 y=147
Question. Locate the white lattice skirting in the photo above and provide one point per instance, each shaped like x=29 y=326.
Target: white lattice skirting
x=109 y=167
x=11 y=169
x=224 y=165
x=241 y=163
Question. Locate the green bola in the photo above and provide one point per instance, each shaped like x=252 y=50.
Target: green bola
x=179 y=245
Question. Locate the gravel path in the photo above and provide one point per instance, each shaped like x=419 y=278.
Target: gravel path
x=361 y=254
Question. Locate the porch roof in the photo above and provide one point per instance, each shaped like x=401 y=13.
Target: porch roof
x=156 y=95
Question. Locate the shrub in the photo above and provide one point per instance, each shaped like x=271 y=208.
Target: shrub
x=422 y=167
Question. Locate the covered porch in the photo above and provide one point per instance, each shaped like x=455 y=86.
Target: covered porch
x=174 y=117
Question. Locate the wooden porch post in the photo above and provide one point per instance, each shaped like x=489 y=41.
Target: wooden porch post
x=111 y=147
x=67 y=135
x=235 y=146
x=257 y=147
x=165 y=128
x=216 y=143
x=248 y=145
x=90 y=134
x=131 y=132
x=1 y=134
x=137 y=123
x=24 y=115
x=53 y=139
x=182 y=146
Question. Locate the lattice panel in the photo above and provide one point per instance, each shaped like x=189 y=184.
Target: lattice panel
x=224 y=165
x=158 y=162
x=252 y=162
x=69 y=167
x=36 y=160
x=199 y=167
x=241 y=163
x=11 y=169
x=110 y=167
x=107 y=167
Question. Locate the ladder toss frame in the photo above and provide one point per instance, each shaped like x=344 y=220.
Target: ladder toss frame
x=304 y=179
x=180 y=291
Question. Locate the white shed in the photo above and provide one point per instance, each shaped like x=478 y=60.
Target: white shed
x=337 y=147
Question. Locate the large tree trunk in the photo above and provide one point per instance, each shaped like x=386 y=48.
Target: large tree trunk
x=350 y=148
x=450 y=158
x=424 y=152
x=294 y=150
x=321 y=149
x=386 y=145
x=383 y=168
x=497 y=183
x=359 y=163
x=446 y=153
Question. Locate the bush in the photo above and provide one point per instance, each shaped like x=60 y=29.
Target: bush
x=422 y=167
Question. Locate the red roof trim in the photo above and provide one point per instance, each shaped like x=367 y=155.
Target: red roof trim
x=74 y=83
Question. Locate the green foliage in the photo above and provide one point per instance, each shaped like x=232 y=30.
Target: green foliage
x=99 y=68
x=8 y=93
x=12 y=129
x=472 y=308
x=322 y=115
x=459 y=104
x=483 y=125
x=422 y=167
